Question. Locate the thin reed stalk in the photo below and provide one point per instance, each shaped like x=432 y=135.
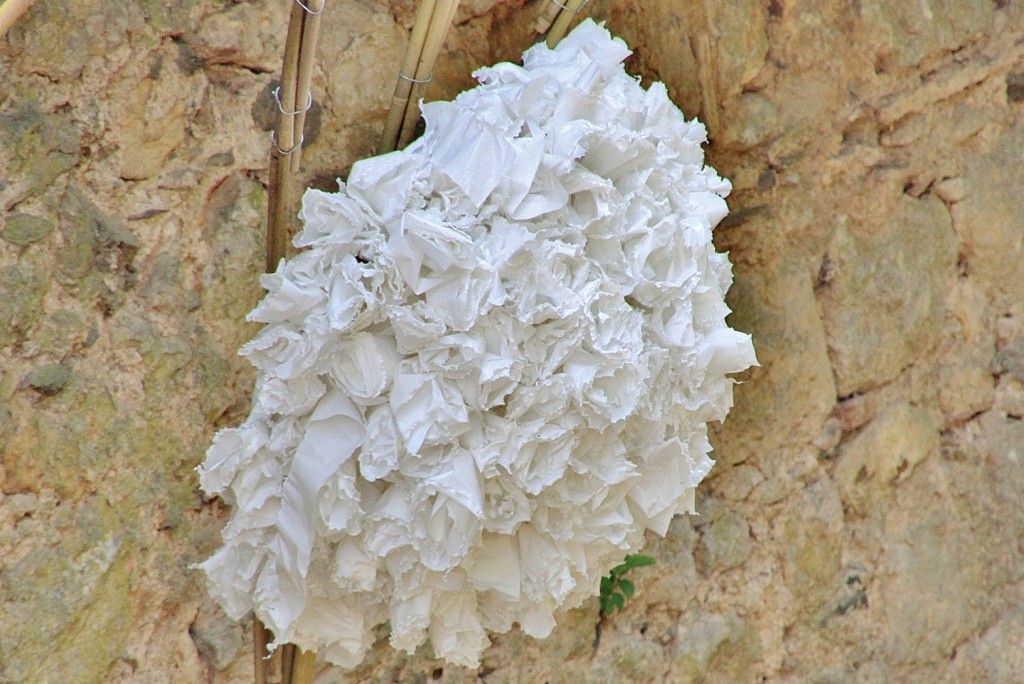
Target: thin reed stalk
x=279 y=200
x=403 y=86
x=287 y=664
x=304 y=78
x=293 y=97
x=561 y=23
x=444 y=13
x=547 y=17
x=433 y=19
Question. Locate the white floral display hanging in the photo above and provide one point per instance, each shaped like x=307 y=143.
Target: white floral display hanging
x=489 y=371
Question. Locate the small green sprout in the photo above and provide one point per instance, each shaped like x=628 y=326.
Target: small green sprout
x=614 y=589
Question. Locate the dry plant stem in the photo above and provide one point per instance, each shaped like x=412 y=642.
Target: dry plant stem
x=304 y=78
x=275 y=665
x=278 y=202
x=278 y=193
x=403 y=88
x=287 y=136
x=546 y=17
x=561 y=25
x=260 y=638
x=303 y=667
x=287 y=658
x=10 y=11
x=287 y=665
x=444 y=13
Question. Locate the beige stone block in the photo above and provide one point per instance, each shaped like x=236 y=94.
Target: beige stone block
x=751 y=122
x=735 y=483
x=714 y=647
x=247 y=35
x=990 y=228
x=233 y=239
x=67 y=605
x=1009 y=397
x=964 y=373
x=794 y=386
x=741 y=42
x=911 y=31
x=151 y=127
x=810 y=546
x=995 y=655
x=885 y=451
x=950 y=546
x=884 y=287
x=725 y=539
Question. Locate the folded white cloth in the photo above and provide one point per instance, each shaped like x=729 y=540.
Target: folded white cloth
x=488 y=372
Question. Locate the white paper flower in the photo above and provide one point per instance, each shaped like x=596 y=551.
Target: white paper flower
x=488 y=373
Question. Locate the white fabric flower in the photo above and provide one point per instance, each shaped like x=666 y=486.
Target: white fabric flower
x=490 y=370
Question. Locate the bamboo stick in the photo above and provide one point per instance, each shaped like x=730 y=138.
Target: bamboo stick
x=287 y=93
x=547 y=17
x=303 y=667
x=259 y=650
x=287 y=659
x=279 y=196
x=278 y=201
x=440 y=21
x=561 y=23
x=403 y=87
x=287 y=665
x=275 y=665
x=304 y=78
x=10 y=12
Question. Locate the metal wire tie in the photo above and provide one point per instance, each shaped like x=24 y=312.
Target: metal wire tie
x=428 y=79
x=285 y=153
x=309 y=11
x=555 y=2
x=276 y=92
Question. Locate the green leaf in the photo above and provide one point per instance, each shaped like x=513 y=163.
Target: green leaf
x=627 y=587
x=606 y=585
x=606 y=606
x=618 y=599
x=635 y=561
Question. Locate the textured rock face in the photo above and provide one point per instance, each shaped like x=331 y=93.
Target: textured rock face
x=863 y=522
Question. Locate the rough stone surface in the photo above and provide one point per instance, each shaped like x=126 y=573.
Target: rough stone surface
x=22 y=229
x=49 y=379
x=863 y=523
x=884 y=283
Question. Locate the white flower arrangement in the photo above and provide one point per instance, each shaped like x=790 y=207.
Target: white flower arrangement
x=489 y=371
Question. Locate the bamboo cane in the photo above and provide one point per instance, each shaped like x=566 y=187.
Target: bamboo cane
x=303 y=667
x=279 y=191
x=304 y=78
x=287 y=664
x=10 y=12
x=440 y=21
x=403 y=87
x=547 y=17
x=259 y=650
x=561 y=23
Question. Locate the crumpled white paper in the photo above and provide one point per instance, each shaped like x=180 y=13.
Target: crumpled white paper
x=489 y=371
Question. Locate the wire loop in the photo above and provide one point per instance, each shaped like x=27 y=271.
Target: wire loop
x=567 y=9
x=309 y=11
x=277 y=146
x=428 y=79
x=277 y=98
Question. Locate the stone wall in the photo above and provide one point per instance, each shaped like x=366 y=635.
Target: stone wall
x=864 y=521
